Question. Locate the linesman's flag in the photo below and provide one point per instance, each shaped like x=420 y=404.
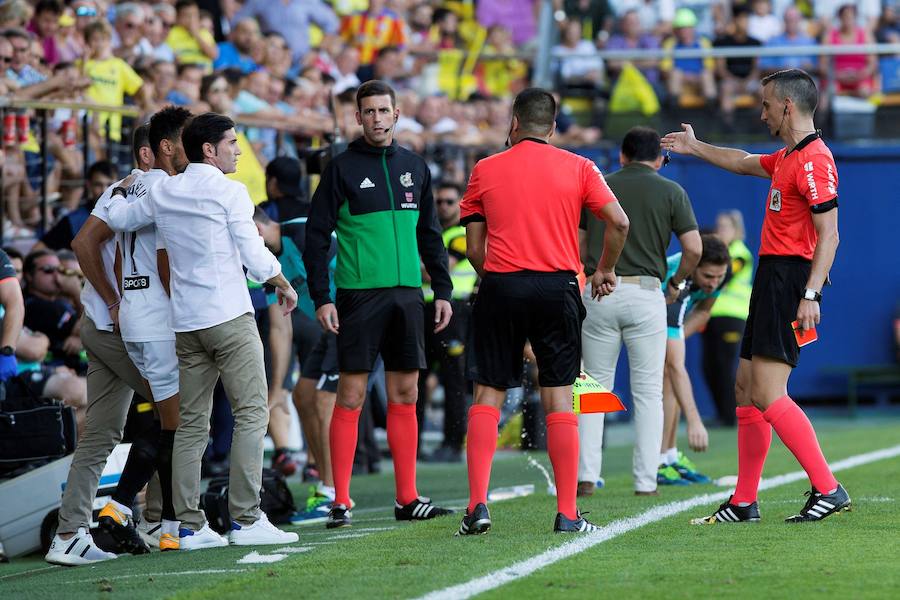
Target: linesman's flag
x=588 y=396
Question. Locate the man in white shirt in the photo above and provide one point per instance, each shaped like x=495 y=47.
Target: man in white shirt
x=205 y=223
x=111 y=380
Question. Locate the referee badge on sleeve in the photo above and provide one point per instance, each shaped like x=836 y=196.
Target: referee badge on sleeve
x=775 y=200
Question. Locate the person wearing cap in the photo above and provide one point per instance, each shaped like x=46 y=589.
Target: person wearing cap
x=697 y=73
x=285 y=199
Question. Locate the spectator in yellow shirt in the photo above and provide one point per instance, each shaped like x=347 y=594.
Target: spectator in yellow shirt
x=190 y=43
x=111 y=78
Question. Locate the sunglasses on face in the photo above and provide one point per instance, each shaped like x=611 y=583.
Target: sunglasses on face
x=85 y=11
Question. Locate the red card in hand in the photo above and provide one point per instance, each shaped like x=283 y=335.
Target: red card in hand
x=804 y=336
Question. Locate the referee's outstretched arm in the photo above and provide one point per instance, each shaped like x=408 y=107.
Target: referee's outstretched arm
x=731 y=159
x=319 y=226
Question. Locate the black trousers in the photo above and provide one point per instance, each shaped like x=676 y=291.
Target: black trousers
x=721 y=346
x=447 y=350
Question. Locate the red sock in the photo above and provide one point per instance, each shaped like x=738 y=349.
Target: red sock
x=754 y=437
x=481 y=441
x=562 y=446
x=790 y=423
x=403 y=439
x=344 y=429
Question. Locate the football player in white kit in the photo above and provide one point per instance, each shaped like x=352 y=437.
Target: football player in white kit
x=144 y=316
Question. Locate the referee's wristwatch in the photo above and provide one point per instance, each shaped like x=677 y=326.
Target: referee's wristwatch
x=678 y=286
x=812 y=295
x=119 y=191
x=7 y=351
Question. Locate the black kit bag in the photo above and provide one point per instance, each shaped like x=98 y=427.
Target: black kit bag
x=275 y=499
x=33 y=430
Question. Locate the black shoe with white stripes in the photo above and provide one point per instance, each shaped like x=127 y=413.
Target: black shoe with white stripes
x=338 y=517
x=731 y=513
x=420 y=509
x=564 y=524
x=476 y=522
x=820 y=505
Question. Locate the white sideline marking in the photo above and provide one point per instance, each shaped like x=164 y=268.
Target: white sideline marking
x=616 y=528
x=294 y=549
x=255 y=558
x=29 y=572
x=154 y=575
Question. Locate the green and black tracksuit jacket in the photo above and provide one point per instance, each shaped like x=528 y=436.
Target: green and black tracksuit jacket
x=379 y=202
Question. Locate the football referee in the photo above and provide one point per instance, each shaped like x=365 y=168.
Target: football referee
x=799 y=241
x=521 y=211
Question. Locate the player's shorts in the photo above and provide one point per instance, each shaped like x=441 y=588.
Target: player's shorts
x=157 y=363
x=675 y=319
x=777 y=289
x=322 y=363
x=543 y=308
x=386 y=320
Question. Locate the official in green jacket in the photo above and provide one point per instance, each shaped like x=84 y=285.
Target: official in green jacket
x=377 y=197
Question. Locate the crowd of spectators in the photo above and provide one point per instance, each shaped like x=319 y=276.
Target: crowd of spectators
x=456 y=63
x=288 y=70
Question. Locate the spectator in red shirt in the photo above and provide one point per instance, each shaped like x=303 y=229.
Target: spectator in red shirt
x=799 y=242
x=521 y=211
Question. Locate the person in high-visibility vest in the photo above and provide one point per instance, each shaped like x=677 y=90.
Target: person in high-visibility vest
x=446 y=349
x=725 y=329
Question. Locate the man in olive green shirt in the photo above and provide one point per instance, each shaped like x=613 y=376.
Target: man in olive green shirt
x=636 y=311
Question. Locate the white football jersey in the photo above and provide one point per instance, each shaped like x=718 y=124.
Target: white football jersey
x=145 y=314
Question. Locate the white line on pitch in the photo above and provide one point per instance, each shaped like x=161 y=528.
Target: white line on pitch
x=616 y=528
x=29 y=572
x=154 y=575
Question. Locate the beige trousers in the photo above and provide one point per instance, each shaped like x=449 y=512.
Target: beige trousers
x=234 y=352
x=111 y=381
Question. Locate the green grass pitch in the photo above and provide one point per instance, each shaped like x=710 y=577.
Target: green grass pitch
x=854 y=555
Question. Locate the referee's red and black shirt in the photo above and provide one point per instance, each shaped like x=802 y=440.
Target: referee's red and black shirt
x=530 y=197
x=804 y=181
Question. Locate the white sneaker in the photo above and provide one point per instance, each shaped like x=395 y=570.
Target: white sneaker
x=150 y=532
x=79 y=549
x=202 y=538
x=260 y=533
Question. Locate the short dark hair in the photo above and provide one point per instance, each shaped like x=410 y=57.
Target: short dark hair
x=449 y=184
x=261 y=216
x=140 y=139
x=536 y=110
x=641 y=144
x=741 y=10
x=167 y=124
x=375 y=87
x=208 y=128
x=387 y=50
x=714 y=250
x=29 y=264
x=185 y=4
x=182 y=67
x=53 y=6
x=797 y=85
x=13 y=253
x=103 y=167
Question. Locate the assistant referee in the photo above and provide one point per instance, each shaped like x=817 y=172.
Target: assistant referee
x=521 y=211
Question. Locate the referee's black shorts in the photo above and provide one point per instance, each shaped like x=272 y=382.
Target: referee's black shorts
x=543 y=308
x=386 y=320
x=777 y=289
